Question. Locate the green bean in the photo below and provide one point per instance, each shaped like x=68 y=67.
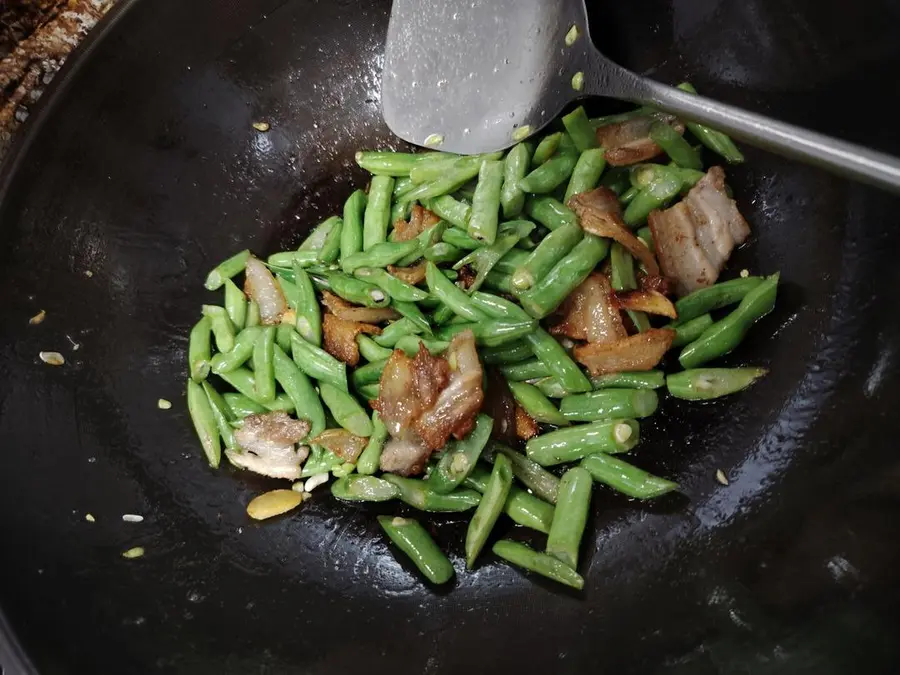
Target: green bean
x=315 y=240
x=443 y=253
x=283 y=333
x=387 y=163
x=288 y=290
x=450 y=294
x=545 y=347
x=642 y=379
x=489 y=332
x=568 y=445
x=235 y=304
x=420 y=495
x=485 y=258
x=516 y=165
x=410 y=345
x=587 y=172
x=489 y=508
x=222 y=328
x=549 y=212
x=628 y=196
x=204 y=423
x=309 y=316
x=452 y=210
x=580 y=130
x=345 y=410
x=199 y=349
x=378 y=211
x=712 y=139
x=371 y=350
x=242 y=406
x=379 y=255
x=486 y=202
x=426 y=239
x=550 y=175
x=317 y=363
x=607 y=404
x=364 y=489
x=239 y=354
x=616 y=179
x=396 y=330
x=459 y=239
x=644 y=175
x=370 y=458
x=394 y=287
x=687 y=332
x=435 y=167
x=551 y=387
x=546 y=148
x=499 y=282
x=252 y=315
x=301 y=392
x=701 y=384
x=626 y=478
x=646 y=236
x=725 y=335
x=549 y=292
x=714 y=297
x=222 y=414
x=516 y=352
x=411 y=312
x=352 y=229
x=460 y=457
x=331 y=247
x=513 y=258
x=618 y=118
x=319 y=461
x=522 y=507
x=536 y=404
x=657 y=194
x=526 y=370
x=553 y=248
x=226 y=269
x=455 y=176
x=243 y=380
x=570 y=517
x=400 y=211
x=369 y=373
x=286 y=259
x=369 y=392
x=672 y=143
x=402 y=185
x=531 y=474
x=417 y=544
x=263 y=368
x=622 y=278
x=540 y=563
x=357 y=291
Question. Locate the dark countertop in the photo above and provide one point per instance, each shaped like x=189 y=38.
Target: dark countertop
x=36 y=37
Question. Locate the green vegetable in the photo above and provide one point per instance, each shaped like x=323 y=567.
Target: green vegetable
x=536 y=404
x=221 y=413
x=712 y=139
x=226 y=269
x=222 y=328
x=485 y=258
x=241 y=406
x=580 y=130
x=587 y=172
x=549 y=212
x=672 y=143
x=625 y=478
x=410 y=344
x=345 y=410
x=568 y=445
x=687 y=332
x=396 y=330
x=489 y=508
x=378 y=211
x=489 y=332
x=239 y=354
x=570 y=517
x=331 y=247
x=303 y=257
x=300 y=390
x=443 y=253
x=452 y=210
x=357 y=291
x=460 y=457
x=725 y=335
x=522 y=507
x=546 y=148
x=531 y=474
x=379 y=254
x=252 y=315
x=204 y=423
x=607 y=404
x=387 y=163
x=550 y=175
x=526 y=370
x=553 y=248
x=516 y=352
x=420 y=495
x=371 y=350
x=317 y=363
x=486 y=202
x=352 y=230
x=450 y=294
x=370 y=458
x=235 y=304
x=315 y=240
x=356 y=488
x=643 y=379
x=714 y=297
x=516 y=165
x=540 y=563
x=199 y=349
x=415 y=542
x=263 y=367
x=309 y=315
x=243 y=380
x=661 y=189
x=394 y=287
x=701 y=384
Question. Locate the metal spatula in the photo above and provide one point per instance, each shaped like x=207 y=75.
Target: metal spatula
x=473 y=76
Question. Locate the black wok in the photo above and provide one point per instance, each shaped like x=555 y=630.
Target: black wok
x=142 y=167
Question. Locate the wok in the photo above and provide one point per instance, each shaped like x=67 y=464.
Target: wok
x=143 y=168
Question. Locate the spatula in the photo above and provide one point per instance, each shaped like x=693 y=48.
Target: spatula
x=473 y=76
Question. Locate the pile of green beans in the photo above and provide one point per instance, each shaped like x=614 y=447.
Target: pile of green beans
x=499 y=256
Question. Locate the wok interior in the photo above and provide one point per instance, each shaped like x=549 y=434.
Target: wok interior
x=147 y=173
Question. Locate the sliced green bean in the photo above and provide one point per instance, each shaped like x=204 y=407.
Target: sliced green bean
x=253 y=318
x=378 y=211
x=315 y=240
x=304 y=257
x=531 y=474
x=320 y=460
x=394 y=287
x=357 y=488
x=626 y=478
x=486 y=202
x=222 y=328
x=546 y=148
x=263 y=368
x=309 y=314
x=549 y=212
x=460 y=457
x=499 y=282
x=513 y=258
x=199 y=349
x=436 y=166
x=458 y=174
x=369 y=392
x=516 y=166
x=357 y=291
x=222 y=414
x=460 y=239
x=443 y=253
x=725 y=335
x=380 y=254
x=674 y=145
x=517 y=352
x=570 y=517
x=387 y=162
x=235 y=304
x=657 y=194
x=283 y=333
x=242 y=379
x=489 y=508
x=204 y=423
x=616 y=179
x=352 y=230
x=485 y=258
x=714 y=297
x=317 y=363
x=712 y=139
x=522 y=507
x=410 y=345
x=607 y=404
x=411 y=312
x=301 y=392
x=371 y=350
x=536 y=404
x=687 y=332
x=580 y=130
x=331 y=247
x=417 y=544
x=550 y=175
x=701 y=384
x=551 y=387
x=426 y=239
x=553 y=248
x=549 y=292
x=450 y=294
x=489 y=332
x=368 y=374
x=420 y=495
x=239 y=354
x=452 y=210
x=226 y=270
x=646 y=236
x=242 y=406
x=526 y=370
x=587 y=172
x=540 y=563
x=642 y=379
x=569 y=445
x=396 y=330
x=345 y=410
x=369 y=460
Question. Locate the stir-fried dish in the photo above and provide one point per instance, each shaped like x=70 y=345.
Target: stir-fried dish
x=483 y=334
